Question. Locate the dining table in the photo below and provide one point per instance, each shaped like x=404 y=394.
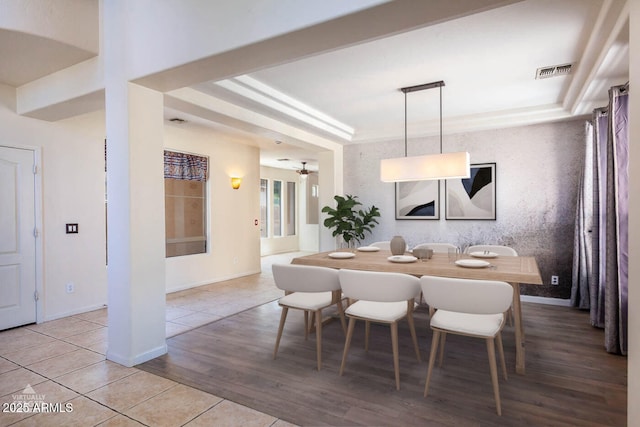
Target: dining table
x=511 y=269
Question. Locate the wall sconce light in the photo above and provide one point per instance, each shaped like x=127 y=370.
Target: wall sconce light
x=235 y=183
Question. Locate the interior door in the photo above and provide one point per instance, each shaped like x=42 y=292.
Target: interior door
x=17 y=239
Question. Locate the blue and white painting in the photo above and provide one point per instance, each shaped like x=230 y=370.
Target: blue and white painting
x=418 y=200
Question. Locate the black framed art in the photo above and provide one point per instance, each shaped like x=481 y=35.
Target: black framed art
x=418 y=200
x=473 y=197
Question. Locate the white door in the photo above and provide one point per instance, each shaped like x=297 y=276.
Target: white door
x=17 y=240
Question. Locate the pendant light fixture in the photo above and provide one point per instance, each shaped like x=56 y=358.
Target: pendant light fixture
x=429 y=167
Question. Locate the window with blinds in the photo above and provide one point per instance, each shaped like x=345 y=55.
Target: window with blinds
x=185 y=203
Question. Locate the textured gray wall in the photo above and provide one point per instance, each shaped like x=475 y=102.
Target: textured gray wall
x=537 y=174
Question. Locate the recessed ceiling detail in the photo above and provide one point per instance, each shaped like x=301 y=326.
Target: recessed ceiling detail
x=273 y=99
x=553 y=71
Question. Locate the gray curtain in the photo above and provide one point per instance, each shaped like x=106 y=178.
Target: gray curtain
x=585 y=229
x=600 y=267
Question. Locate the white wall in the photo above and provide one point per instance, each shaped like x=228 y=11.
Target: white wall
x=234 y=248
x=72 y=177
x=73 y=187
x=537 y=173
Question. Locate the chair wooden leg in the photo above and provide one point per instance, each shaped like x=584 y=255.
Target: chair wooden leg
x=367 y=329
x=283 y=317
x=347 y=343
x=501 y=354
x=342 y=318
x=412 y=329
x=396 y=358
x=432 y=358
x=318 y=316
x=306 y=325
x=491 y=351
x=443 y=338
x=510 y=316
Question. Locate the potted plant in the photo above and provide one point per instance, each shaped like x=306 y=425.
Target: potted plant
x=348 y=221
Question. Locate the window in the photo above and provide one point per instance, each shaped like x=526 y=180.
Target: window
x=277 y=208
x=264 y=208
x=185 y=203
x=312 y=199
x=291 y=209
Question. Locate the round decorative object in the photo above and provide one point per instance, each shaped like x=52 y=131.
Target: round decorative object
x=422 y=253
x=397 y=245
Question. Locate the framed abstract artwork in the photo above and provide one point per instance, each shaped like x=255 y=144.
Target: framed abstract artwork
x=418 y=200
x=473 y=197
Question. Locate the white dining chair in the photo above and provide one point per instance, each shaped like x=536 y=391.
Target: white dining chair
x=311 y=289
x=501 y=250
x=380 y=297
x=497 y=249
x=384 y=245
x=442 y=248
x=474 y=308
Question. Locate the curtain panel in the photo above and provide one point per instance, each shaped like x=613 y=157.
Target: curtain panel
x=617 y=223
x=600 y=267
x=586 y=238
x=185 y=166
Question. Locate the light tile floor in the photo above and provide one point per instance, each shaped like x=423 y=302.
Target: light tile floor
x=62 y=362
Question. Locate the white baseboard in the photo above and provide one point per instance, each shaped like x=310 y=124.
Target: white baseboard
x=140 y=358
x=81 y=310
x=186 y=286
x=546 y=300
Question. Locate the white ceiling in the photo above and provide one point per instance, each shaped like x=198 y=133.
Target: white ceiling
x=487 y=60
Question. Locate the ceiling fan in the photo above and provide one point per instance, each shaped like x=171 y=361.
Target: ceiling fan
x=304 y=172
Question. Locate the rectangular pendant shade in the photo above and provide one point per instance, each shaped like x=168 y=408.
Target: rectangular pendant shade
x=421 y=168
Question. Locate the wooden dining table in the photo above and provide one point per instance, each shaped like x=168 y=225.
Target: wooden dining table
x=512 y=269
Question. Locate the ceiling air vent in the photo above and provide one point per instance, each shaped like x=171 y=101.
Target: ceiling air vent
x=553 y=71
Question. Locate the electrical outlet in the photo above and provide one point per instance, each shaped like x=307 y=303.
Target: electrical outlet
x=554 y=280
x=70 y=288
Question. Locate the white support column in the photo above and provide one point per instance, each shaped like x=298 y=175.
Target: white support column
x=135 y=225
x=135 y=207
x=330 y=183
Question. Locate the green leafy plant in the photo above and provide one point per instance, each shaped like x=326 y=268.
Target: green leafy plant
x=348 y=221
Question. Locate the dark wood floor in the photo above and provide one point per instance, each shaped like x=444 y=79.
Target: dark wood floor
x=570 y=379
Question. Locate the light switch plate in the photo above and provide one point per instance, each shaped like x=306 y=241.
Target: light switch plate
x=72 y=228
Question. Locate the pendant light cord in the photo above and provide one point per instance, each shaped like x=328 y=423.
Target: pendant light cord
x=405 y=124
x=440 y=119
x=417 y=88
